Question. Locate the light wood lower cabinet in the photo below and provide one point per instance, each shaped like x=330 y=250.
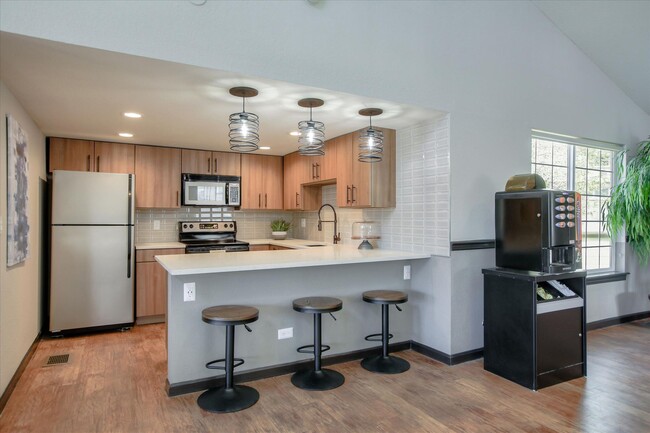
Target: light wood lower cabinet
x=267 y=247
x=151 y=285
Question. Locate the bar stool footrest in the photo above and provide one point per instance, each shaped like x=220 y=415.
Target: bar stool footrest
x=212 y=364
x=311 y=349
x=377 y=337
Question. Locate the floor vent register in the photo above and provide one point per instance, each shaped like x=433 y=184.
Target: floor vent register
x=57 y=360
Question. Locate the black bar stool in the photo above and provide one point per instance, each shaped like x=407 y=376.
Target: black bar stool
x=317 y=379
x=385 y=363
x=229 y=398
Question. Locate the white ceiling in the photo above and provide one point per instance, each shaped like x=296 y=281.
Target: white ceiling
x=615 y=35
x=78 y=92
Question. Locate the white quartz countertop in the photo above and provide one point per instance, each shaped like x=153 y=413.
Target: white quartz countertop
x=209 y=263
x=287 y=243
x=158 y=245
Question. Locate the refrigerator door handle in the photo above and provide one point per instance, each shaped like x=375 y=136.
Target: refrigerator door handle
x=129 y=229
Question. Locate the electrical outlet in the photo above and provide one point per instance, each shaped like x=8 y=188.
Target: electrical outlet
x=189 y=292
x=285 y=333
x=407 y=272
x=303 y=222
x=156 y=224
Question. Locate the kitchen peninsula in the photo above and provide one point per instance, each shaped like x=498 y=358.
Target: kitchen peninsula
x=269 y=281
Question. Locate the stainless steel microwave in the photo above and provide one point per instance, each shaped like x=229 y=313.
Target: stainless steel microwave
x=210 y=190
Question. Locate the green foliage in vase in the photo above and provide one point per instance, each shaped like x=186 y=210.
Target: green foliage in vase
x=280 y=225
x=629 y=206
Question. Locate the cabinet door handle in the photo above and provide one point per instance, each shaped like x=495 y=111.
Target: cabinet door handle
x=347 y=194
x=209 y=163
x=259 y=200
x=317 y=171
x=177 y=204
x=97 y=168
x=88 y=163
x=354 y=188
x=265 y=201
x=297 y=198
x=214 y=167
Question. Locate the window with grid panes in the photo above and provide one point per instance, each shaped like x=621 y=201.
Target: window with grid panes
x=585 y=166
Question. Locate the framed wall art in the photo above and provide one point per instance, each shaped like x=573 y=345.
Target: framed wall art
x=17 y=198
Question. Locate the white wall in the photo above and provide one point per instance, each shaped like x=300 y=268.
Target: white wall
x=498 y=68
x=20 y=285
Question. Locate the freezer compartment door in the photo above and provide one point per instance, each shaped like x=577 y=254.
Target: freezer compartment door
x=92 y=279
x=92 y=198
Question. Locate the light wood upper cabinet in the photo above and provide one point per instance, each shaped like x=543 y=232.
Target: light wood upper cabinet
x=114 y=157
x=295 y=174
x=226 y=163
x=71 y=154
x=262 y=182
x=206 y=162
x=85 y=155
x=361 y=184
x=299 y=170
x=157 y=177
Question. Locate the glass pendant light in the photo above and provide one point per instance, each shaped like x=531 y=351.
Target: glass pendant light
x=312 y=132
x=244 y=127
x=371 y=140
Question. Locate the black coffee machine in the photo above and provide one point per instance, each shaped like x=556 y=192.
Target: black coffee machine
x=538 y=230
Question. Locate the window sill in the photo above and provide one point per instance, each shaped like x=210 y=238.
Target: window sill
x=606 y=277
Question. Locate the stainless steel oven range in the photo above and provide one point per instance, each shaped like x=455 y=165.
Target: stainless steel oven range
x=206 y=236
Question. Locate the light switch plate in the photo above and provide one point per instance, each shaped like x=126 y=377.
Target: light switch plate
x=407 y=272
x=303 y=222
x=156 y=224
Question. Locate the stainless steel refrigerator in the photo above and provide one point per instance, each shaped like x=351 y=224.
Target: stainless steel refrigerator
x=92 y=252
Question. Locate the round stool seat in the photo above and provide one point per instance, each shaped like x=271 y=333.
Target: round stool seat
x=317 y=304
x=385 y=297
x=230 y=315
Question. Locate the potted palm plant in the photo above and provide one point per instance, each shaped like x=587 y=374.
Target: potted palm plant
x=629 y=206
x=279 y=229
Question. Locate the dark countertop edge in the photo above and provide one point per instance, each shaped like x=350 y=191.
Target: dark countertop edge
x=532 y=275
x=608 y=277
x=475 y=244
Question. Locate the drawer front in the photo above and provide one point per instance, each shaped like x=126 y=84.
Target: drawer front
x=148 y=255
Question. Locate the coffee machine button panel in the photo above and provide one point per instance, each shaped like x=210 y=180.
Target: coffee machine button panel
x=560 y=199
x=561 y=224
x=560 y=216
x=561 y=208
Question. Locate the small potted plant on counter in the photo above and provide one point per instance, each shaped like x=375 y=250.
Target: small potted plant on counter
x=279 y=229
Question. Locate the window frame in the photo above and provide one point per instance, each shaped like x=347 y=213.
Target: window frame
x=573 y=141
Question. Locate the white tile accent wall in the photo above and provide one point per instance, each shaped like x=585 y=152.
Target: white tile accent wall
x=419 y=223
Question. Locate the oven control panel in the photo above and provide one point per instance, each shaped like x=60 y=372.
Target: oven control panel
x=207 y=226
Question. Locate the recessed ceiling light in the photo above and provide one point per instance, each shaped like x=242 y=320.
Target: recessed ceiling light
x=294 y=133
x=133 y=115
x=265 y=148
x=125 y=134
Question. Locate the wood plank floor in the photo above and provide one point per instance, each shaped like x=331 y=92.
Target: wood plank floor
x=115 y=383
